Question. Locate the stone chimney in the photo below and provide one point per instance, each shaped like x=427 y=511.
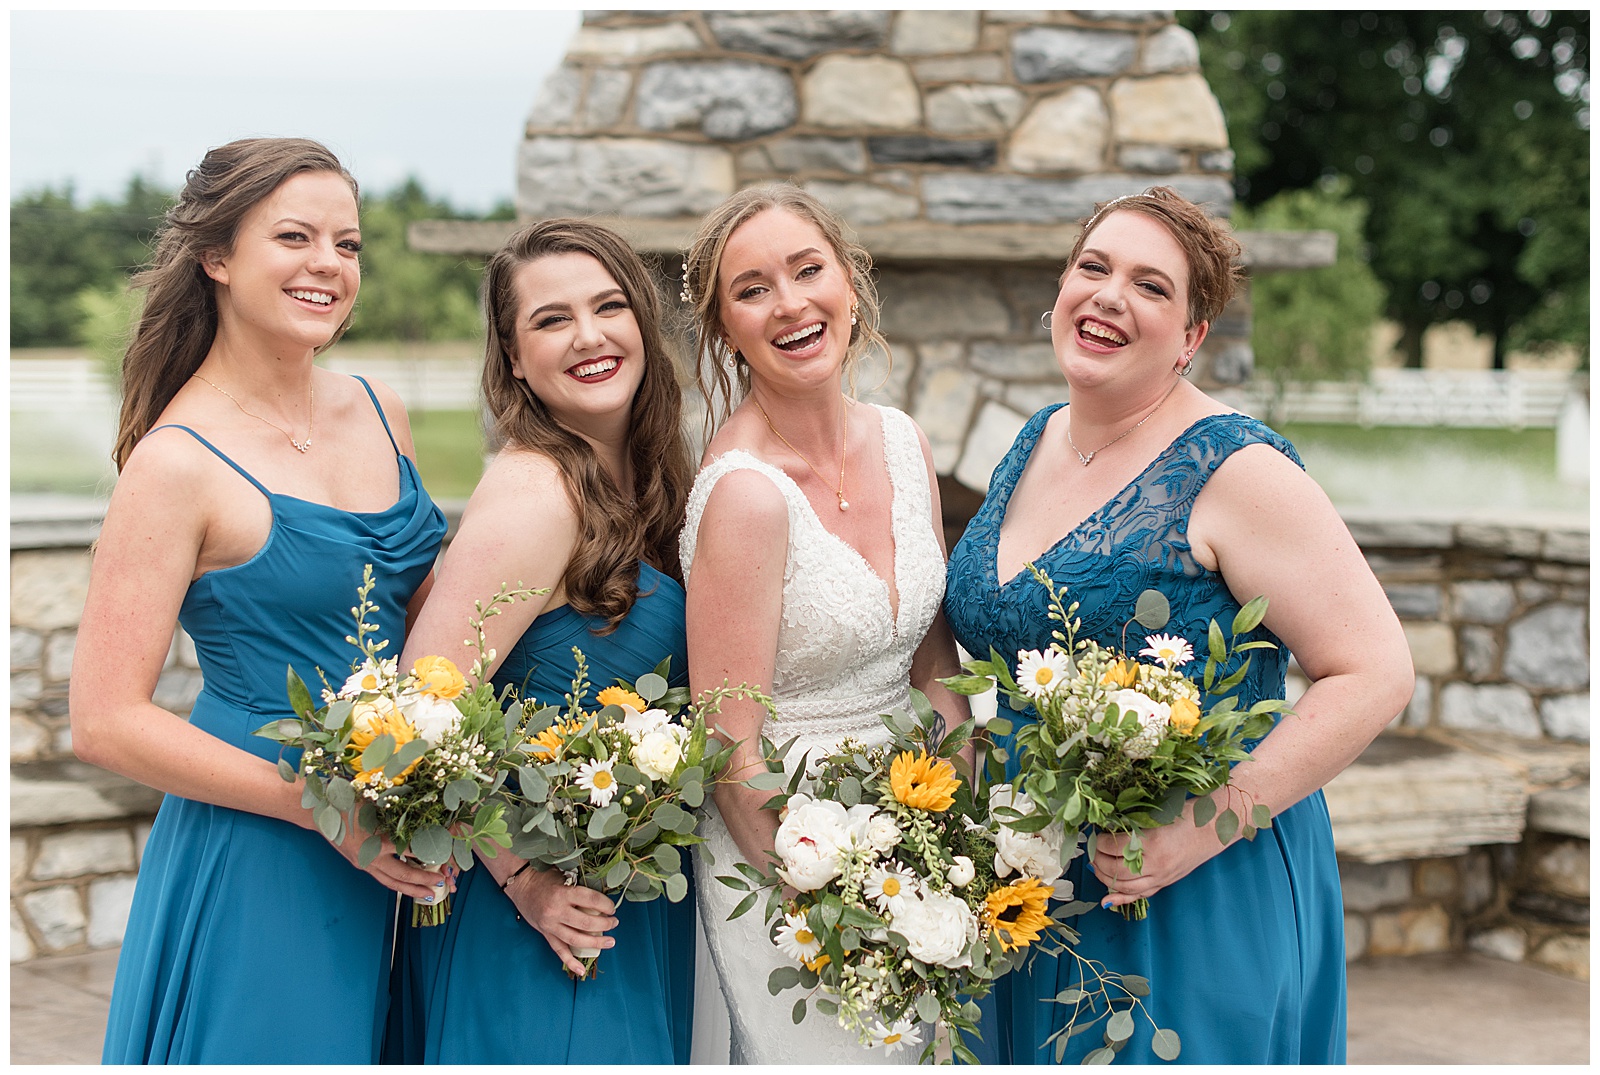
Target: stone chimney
x=961 y=146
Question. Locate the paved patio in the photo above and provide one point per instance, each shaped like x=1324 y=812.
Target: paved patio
x=1421 y=1010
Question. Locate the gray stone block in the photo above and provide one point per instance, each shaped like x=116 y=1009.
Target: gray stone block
x=1552 y=908
x=1566 y=954
x=1549 y=647
x=1477 y=882
x=28 y=740
x=1567 y=546
x=924 y=33
x=1355 y=937
x=921 y=149
x=25 y=689
x=1480 y=652
x=21 y=943
x=1369 y=887
x=1052 y=53
x=971 y=199
x=991 y=437
x=177 y=689
x=1533 y=592
x=1015 y=361
x=58 y=651
x=729 y=101
x=1503 y=942
x=1418 y=712
x=83 y=851
x=1489 y=601
x=631 y=176
x=557 y=104
x=608 y=94
x=1567 y=716
x=1232 y=364
x=1149 y=159
x=1560 y=810
x=864 y=204
x=1494 y=708
x=1171 y=48
x=109 y=903
x=978 y=67
x=1415 y=600
x=1562 y=867
x=27 y=647
x=928 y=306
x=813 y=154
x=1216 y=160
x=798 y=35
x=57 y=915
x=969 y=109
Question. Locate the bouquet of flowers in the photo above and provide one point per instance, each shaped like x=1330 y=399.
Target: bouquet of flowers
x=1121 y=743
x=412 y=758
x=912 y=901
x=606 y=797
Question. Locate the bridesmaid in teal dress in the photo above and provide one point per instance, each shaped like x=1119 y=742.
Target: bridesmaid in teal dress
x=254 y=488
x=1146 y=482
x=586 y=498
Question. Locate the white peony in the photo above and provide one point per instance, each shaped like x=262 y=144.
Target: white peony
x=433 y=718
x=638 y=725
x=961 y=872
x=938 y=929
x=658 y=754
x=808 y=841
x=1153 y=719
x=1034 y=854
x=859 y=820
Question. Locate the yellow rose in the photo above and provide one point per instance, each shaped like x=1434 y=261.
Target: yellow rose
x=438 y=677
x=1184 y=717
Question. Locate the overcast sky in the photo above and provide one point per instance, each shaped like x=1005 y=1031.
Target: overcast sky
x=97 y=96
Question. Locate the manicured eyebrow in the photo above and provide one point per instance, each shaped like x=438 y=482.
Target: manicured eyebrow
x=808 y=252
x=563 y=306
x=1138 y=270
x=305 y=226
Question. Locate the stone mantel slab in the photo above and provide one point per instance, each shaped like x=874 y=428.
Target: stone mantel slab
x=56 y=793
x=897 y=241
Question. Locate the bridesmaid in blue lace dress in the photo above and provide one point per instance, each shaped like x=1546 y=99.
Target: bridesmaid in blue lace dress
x=254 y=487
x=586 y=498
x=1144 y=481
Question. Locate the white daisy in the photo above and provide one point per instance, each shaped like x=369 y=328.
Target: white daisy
x=1170 y=650
x=370 y=678
x=1038 y=674
x=596 y=778
x=891 y=1039
x=890 y=887
x=796 y=940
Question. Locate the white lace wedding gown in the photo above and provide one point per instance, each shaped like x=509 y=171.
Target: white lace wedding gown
x=844 y=657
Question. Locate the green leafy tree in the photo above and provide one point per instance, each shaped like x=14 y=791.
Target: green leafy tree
x=1314 y=324
x=1466 y=133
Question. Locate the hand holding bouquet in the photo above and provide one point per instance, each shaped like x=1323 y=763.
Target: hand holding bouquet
x=606 y=797
x=910 y=901
x=409 y=758
x=1121 y=744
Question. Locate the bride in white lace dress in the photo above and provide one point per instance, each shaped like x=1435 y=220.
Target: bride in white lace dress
x=813 y=557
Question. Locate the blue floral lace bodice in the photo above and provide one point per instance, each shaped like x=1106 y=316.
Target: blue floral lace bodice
x=1137 y=540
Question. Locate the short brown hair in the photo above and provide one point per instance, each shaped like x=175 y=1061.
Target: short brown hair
x=1212 y=253
x=704 y=261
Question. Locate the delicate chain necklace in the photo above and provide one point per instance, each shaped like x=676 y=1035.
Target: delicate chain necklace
x=301 y=446
x=1087 y=459
x=844 y=505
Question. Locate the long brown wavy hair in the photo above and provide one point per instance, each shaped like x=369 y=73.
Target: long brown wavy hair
x=618 y=527
x=704 y=262
x=179 y=321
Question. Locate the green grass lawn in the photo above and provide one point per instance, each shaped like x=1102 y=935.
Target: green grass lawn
x=449 y=452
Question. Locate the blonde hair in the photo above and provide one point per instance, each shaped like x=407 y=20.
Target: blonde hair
x=704 y=262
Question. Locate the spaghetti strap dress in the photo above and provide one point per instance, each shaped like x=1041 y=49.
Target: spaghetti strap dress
x=484 y=988
x=1245 y=956
x=250 y=939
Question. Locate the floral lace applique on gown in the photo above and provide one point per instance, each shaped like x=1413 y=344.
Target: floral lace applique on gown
x=844 y=657
x=1245 y=955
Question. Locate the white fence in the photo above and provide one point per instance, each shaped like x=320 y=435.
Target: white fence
x=1514 y=399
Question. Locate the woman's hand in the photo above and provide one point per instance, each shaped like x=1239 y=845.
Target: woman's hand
x=1171 y=853
x=567 y=915
x=389 y=870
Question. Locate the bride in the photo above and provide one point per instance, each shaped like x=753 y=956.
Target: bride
x=813 y=557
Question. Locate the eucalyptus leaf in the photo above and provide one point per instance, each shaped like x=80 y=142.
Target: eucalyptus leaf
x=1120 y=1026
x=1103 y=1055
x=782 y=978
x=1136 y=985
x=677 y=887
x=650 y=687
x=535 y=785
x=849 y=792
x=1227 y=825
x=927 y=1007
x=460 y=791
x=768 y=781
x=403 y=757
x=287 y=771
x=1069 y=996
x=378 y=752
x=618 y=874
x=432 y=844
x=1205 y=808
x=1261 y=816
x=693 y=794
x=1152 y=610
x=799 y=1013
x=668 y=858
x=369 y=851
x=1165 y=1044
x=329 y=823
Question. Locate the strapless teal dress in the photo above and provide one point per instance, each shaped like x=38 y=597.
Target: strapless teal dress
x=1245 y=956
x=484 y=988
x=251 y=940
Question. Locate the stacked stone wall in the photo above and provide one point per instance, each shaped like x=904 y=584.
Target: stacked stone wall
x=1451 y=833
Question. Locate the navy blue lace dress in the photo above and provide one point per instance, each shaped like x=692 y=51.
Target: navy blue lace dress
x=1245 y=956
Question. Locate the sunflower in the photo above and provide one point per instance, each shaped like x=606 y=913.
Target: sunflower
x=622 y=696
x=547 y=744
x=371 y=720
x=1120 y=674
x=922 y=782
x=1017 y=912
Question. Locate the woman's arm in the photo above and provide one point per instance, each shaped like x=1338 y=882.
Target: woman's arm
x=1268 y=529
x=735 y=601
x=149 y=550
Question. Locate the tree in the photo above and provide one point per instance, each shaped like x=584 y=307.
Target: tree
x=1466 y=133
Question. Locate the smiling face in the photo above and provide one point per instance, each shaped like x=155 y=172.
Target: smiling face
x=786 y=300
x=292 y=275
x=1123 y=305
x=577 y=342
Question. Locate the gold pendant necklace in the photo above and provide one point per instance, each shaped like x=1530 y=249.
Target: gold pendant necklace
x=301 y=446
x=844 y=505
x=1087 y=459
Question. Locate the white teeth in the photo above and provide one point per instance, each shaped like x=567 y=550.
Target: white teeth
x=605 y=365
x=1110 y=335
x=318 y=297
x=798 y=334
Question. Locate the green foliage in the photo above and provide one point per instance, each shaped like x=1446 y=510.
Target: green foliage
x=1465 y=132
x=109 y=315
x=1315 y=324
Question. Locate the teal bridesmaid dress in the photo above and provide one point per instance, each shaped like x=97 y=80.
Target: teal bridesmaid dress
x=1245 y=956
x=251 y=940
x=484 y=988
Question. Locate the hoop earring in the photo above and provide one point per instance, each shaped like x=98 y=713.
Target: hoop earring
x=1185 y=365
x=1044 y=320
